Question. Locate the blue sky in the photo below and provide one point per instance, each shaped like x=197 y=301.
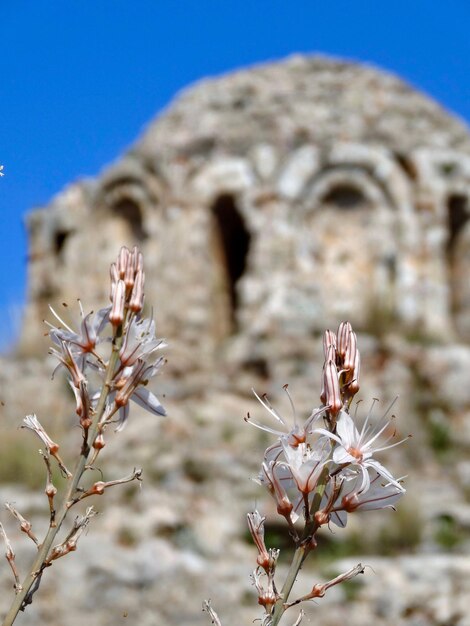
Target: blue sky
x=79 y=80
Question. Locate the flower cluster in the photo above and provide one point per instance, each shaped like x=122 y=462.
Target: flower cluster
x=135 y=348
x=108 y=361
x=323 y=469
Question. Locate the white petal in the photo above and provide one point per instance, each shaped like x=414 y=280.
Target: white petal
x=147 y=400
x=347 y=430
x=123 y=415
x=341 y=456
x=383 y=471
x=340 y=518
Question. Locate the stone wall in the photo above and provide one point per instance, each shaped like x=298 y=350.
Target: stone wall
x=269 y=204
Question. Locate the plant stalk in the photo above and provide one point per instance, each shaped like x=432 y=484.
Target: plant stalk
x=38 y=565
x=294 y=569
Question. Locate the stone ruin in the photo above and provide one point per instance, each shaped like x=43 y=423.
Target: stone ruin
x=269 y=204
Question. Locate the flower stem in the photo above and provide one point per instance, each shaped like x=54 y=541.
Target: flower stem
x=21 y=598
x=294 y=569
x=302 y=551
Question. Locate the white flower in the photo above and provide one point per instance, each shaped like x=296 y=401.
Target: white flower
x=357 y=448
x=276 y=477
x=296 y=434
x=353 y=496
x=132 y=386
x=85 y=341
x=139 y=341
x=306 y=463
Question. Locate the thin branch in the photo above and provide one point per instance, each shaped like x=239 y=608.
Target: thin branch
x=98 y=488
x=10 y=556
x=25 y=526
x=50 y=489
x=206 y=606
x=319 y=590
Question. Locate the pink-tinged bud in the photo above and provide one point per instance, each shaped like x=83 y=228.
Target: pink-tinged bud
x=331 y=354
x=137 y=260
x=329 y=341
x=343 y=338
x=256 y=526
x=353 y=387
x=136 y=302
x=322 y=517
x=331 y=389
x=267 y=599
x=284 y=507
x=129 y=276
x=350 y=354
x=114 y=277
x=322 y=391
x=32 y=422
x=122 y=261
x=116 y=315
x=99 y=442
x=98 y=488
x=350 y=503
x=113 y=273
x=50 y=490
x=85 y=423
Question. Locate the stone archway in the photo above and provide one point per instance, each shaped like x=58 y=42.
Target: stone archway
x=130 y=213
x=458 y=258
x=231 y=244
x=353 y=232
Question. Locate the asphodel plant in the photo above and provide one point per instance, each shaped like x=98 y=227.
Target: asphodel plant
x=109 y=361
x=319 y=471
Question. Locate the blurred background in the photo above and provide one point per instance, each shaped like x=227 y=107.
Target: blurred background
x=318 y=170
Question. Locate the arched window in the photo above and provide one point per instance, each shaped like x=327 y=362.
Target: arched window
x=458 y=215
x=345 y=196
x=60 y=238
x=233 y=241
x=351 y=231
x=458 y=258
x=130 y=211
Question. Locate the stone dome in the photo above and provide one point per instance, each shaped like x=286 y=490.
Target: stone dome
x=316 y=99
x=272 y=202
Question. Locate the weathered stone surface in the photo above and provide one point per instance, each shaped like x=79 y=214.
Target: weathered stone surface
x=269 y=204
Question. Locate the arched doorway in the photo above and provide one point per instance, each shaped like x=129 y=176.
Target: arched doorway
x=129 y=213
x=458 y=258
x=232 y=243
x=352 y=227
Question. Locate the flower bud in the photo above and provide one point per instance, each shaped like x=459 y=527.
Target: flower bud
x=50 y=490
x=329 y=341
x=116 y=315
x=256 y=526
x=321 y=517
x=137 y=260
x=331 y=389
x=137 y=298
x=99 y=442
x=350 y=354
x=114 y=277
x=353 y=386
x=343 y=338
x=122 y=261
x=129 y=275
x=98 y=488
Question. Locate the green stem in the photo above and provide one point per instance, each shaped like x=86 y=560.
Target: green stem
x=77 y=474
x=294 y=569
x=302 y=551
